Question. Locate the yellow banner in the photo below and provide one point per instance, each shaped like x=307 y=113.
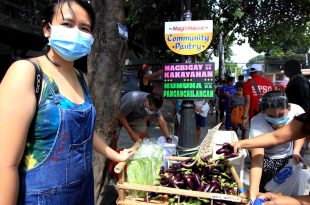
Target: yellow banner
x=188 y=37
x=188 y=43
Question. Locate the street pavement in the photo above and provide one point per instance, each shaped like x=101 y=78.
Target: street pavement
x=167 y=110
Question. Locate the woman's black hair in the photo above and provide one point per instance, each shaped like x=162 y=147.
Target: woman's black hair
x=275 y=99
x=241 y=77
x=51 y=9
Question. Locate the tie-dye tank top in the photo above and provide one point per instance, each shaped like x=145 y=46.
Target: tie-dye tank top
x=42 y=133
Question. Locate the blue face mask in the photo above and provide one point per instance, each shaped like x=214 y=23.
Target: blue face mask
x=70 y=43
x=277 y=121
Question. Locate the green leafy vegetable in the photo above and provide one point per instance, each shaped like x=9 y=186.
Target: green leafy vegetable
x=144 y=167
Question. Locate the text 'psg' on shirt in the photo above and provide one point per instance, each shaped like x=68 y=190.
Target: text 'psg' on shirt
x=262 y=89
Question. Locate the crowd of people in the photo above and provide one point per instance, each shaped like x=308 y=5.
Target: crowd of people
x=258 y=107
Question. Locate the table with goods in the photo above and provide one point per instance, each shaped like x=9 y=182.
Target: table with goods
x=198 y=180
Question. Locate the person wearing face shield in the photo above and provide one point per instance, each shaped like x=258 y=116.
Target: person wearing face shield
x=275 y=113
x=136 y=109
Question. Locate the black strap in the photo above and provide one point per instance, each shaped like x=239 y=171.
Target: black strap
x=37 y=80
x=256 y=88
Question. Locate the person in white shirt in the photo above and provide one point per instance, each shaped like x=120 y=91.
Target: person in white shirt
x=275 y=113
x=201 y=112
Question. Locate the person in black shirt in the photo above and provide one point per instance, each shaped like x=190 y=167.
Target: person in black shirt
x=146 y=77
x=297 y=89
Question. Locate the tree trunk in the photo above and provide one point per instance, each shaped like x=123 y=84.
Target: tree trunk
x=104 y=76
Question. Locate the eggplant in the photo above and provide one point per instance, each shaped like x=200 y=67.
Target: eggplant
x=207 y=170
x=201 y=187
x=189 y=163
x=189 y=180
x=205 y=159
x=207 y=187
x=214 y=184
x=220 y=203
x=215 y=181
x=215 y=171
x=228 y=146
x=223 y=151
x=177 y=184
x=178 y=177
x=162 y=170
x=212 y=187
x=225 y=189
x=227 y=156
x=164 y=181
x=174 y=171
x=175 y=166
x=197 y=179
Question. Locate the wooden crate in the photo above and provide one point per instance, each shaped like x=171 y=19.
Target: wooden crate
x=124 y=188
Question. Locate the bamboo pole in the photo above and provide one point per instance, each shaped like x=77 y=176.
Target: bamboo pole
x=135 y=202
x=120 y=166
x=176 y=158
x=237 y=179
x=122 y=192
x=183 y=192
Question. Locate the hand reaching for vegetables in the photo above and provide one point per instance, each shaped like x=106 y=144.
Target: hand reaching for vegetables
x=228 y=151
x=237 y=147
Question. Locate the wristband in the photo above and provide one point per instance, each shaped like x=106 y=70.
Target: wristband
x=258 y=201
x=242 y=190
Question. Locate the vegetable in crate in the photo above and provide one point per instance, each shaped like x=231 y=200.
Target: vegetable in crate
x=145 y=165
x=228 y=151
x=199 y=174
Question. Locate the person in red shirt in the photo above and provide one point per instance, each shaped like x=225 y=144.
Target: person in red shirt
x=251 y=97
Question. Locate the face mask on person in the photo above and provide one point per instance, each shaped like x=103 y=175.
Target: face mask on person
x=147 y=108
x=70 y=43
x=277 y=121
x=148 y=111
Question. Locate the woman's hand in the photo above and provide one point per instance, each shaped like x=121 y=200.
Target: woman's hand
x=237 y=147
x=297 y=157
x=278 y=199
x=125 y=154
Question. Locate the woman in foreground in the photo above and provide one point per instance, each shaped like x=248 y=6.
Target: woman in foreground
x=46 y=143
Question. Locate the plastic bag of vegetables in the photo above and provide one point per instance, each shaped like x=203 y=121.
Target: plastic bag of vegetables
x=144 y=166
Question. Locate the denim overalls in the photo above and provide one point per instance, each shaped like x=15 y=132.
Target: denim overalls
x=65 y=176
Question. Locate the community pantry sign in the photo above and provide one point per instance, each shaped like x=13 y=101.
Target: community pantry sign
x=188 y=37
x=188 y=81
